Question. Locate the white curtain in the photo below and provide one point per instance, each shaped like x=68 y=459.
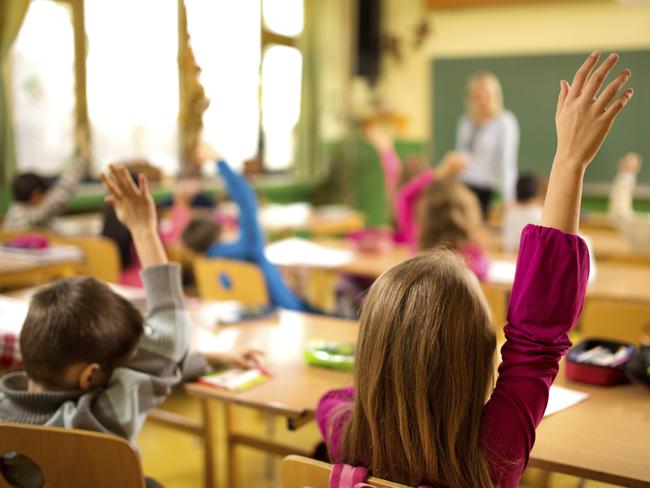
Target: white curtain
x=133 y=81
x=42 y=68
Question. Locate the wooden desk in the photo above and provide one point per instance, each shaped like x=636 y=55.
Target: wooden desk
x=612 y=245
x=601 y=438
x=16 y=273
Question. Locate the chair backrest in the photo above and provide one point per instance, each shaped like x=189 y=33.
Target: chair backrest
x=67 y=457
x=301 y=472
x=101 y=256
x=614 y=319
x=225 y=279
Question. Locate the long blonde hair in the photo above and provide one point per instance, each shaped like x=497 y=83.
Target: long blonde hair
x=424 y=366
x=448 y=214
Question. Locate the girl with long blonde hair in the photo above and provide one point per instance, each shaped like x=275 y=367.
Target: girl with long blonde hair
x=424 y=409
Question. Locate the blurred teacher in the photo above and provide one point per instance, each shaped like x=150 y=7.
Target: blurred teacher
x=488 y=135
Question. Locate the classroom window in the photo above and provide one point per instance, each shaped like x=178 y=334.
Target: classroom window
x=42 y=67
x=132 y=85
x=253 y=83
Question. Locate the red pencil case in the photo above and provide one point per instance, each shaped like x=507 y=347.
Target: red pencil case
x=595 y=374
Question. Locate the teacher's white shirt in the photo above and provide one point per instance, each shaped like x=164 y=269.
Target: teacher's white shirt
x=492 y=152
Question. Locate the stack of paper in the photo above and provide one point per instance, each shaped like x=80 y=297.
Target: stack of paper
x=49 y=255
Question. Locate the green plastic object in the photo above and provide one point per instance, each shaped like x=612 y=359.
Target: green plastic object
x=335 y=355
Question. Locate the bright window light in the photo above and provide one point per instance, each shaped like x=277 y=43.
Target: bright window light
x=225 y=37
x=285 y=17
x=42 y=62
x=133 y=81
x=281 y=85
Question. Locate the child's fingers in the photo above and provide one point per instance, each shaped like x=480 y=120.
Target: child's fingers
x=116 y=177
x=618 y=105
x=580 y=78
x=127 y=182
x=564 y=91
x=143 y=183
x=612 y=89
x=596 y=80
x=110 y=186
x=110 y=199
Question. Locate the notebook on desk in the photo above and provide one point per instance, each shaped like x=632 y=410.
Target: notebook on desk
x=49 y=255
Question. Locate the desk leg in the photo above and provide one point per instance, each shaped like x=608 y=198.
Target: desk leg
x=231 y=471
x=208 y=443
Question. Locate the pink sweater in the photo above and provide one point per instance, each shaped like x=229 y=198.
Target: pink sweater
x=547 y=298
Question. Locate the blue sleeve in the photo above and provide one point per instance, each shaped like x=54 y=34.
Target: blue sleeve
x=229 y=250
x=251 y=237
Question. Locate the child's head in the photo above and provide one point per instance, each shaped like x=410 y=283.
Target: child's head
x=527 y=188
x=424 y=367
x=412 y=167
x=29 y=188
x=448 y=214
x=76 y=331
x=201 y=233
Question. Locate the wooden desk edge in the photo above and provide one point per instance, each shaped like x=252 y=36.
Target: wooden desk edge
x=587 y=473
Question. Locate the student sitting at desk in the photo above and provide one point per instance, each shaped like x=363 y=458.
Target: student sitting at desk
x=425 y=356
x=91 y=361
x=202 y=236
x=35 y=203
x=527 y=210
x=635 y=225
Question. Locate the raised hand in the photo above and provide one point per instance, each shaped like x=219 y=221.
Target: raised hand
x=136 y=209
x=452 y=164
x=583 y=118
x=630 y=163
x=133 y=205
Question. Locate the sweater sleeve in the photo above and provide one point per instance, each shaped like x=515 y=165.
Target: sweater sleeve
x=145 y=380
x=251 y=237
x=546 y=301
x=635 y=225
x=509 y=147
x=405 y=202
x=391 y=165
x=58 y=196
x=332 y=413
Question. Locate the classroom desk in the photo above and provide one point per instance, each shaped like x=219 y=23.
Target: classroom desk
x=618 y=281
x=612 y=245
x=600 y=438
x=15 y=273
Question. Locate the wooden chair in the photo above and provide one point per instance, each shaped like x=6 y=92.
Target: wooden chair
x=68 y=457
x=101 y=256
x=617 y=320
x=224 y=279
x=299 y=472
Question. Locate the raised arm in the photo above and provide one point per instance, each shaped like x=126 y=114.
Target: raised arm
x=582 y=122
x=382 y=142
x=250 y=243
x=552 y=272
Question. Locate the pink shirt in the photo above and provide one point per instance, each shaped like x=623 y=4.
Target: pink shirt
x=546 y=301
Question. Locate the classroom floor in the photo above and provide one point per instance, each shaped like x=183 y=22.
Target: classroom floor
x=175 y=458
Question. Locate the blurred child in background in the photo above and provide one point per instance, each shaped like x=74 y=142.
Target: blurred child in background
x=527 y=210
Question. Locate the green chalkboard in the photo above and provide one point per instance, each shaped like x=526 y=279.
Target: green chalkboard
x=530 y=86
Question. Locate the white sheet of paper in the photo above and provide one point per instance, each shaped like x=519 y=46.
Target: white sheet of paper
x=561 y=398
x=12 y=314
x=300 y=252
x=502 y=271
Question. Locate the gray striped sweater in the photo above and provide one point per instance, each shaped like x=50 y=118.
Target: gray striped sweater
x=143 y=382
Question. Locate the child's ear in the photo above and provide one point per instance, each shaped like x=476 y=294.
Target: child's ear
x=90 y=376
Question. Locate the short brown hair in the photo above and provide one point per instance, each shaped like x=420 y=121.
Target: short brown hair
x=449 y=215
x=77 y=320
x=200 y=234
